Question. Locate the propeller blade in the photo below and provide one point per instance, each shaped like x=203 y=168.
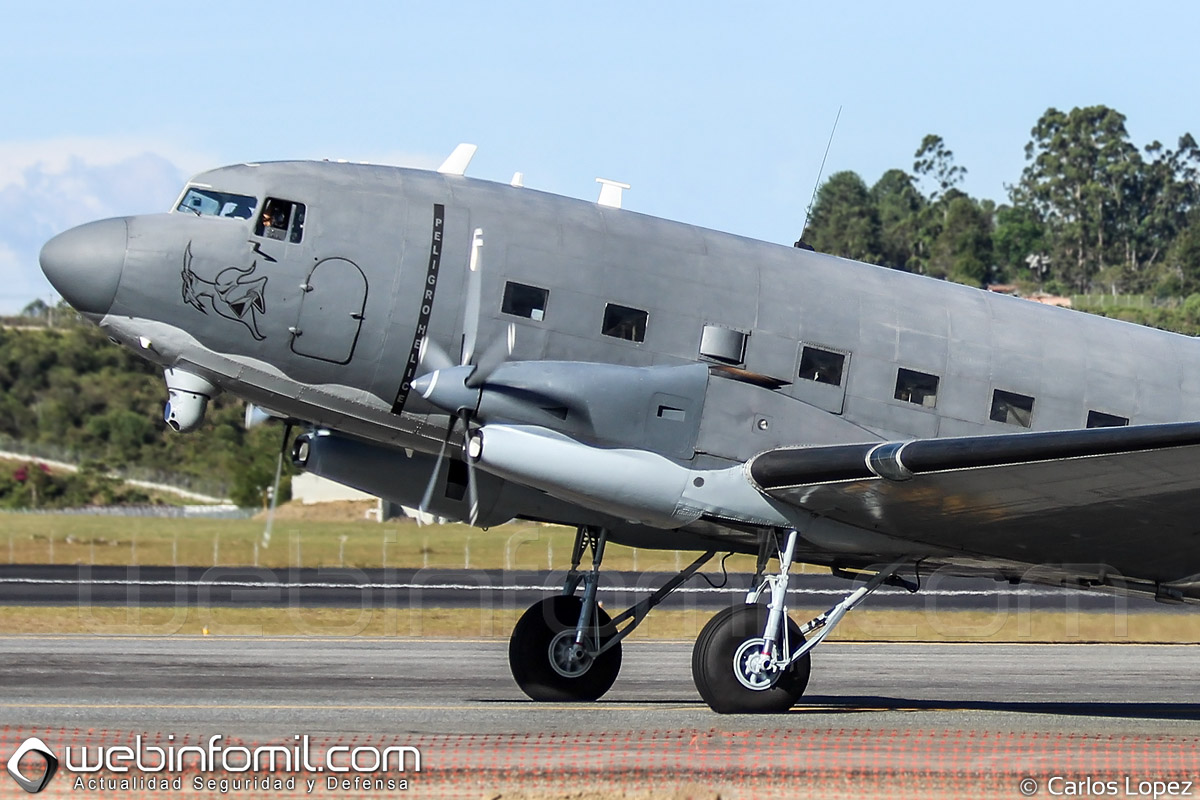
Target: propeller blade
x=437 y=467
x=266 y=537
x=474 y=296
x=496 y=354
x=432 y=357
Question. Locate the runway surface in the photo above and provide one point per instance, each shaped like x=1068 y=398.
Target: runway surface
x=457 y=588
x=268 y=688
x=885 y=720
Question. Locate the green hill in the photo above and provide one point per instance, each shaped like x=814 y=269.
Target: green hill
x=69 y=394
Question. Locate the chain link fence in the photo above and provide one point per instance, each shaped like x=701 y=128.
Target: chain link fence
x=74 y=457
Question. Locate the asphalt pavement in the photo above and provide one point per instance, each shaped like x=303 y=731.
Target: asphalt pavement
x=263 y=687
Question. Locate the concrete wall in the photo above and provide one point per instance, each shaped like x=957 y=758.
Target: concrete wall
x=309 y=489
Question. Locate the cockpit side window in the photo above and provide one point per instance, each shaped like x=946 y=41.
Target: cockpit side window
x=211 y=203
x=282 y=220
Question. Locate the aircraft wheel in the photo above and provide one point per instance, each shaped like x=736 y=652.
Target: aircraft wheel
x=541 y=659
x=722 y=649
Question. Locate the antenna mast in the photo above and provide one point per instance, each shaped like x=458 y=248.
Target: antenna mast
x=820 y=172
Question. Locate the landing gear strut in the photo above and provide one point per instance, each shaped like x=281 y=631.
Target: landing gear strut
x=752 y=659
x=560 y=650
x=566 y=648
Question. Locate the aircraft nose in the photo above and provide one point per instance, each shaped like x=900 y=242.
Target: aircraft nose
x=84 y=264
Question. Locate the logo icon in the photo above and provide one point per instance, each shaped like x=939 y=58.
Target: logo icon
x=235 y=294
x=37 y=747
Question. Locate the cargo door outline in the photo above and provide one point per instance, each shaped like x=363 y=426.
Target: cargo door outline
x=331 y=311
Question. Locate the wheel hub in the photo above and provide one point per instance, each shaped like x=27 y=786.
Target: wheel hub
x=568 y=658
x=753 y=667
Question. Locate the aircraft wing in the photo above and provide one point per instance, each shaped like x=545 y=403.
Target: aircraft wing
x=1128 y=497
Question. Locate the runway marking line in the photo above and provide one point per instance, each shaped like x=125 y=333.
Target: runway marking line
x=473 y=587
x=219 y=707
x=369 y=639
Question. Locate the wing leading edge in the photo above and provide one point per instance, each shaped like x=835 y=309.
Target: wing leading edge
x=1125 y=498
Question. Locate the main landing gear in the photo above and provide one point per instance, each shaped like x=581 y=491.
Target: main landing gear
x=748 y=659
x=567 y=648
x=752 y=659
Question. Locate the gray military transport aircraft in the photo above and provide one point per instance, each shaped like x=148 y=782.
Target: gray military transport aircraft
x=658 y=385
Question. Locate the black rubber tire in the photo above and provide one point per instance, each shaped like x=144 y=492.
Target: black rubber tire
x=712 y=664
x=529 y=654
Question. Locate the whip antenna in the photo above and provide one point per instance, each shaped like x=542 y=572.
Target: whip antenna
x=820 y=172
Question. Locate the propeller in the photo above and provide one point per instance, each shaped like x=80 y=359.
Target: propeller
x=471 y=374
x=432 y=357
x=287 y=433
x=473 y=299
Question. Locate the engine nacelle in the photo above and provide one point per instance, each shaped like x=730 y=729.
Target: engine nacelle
x=636 y=485
x=399 y=476
x=187 y=399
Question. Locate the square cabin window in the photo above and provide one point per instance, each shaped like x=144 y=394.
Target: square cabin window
x=822 y=366
x=622 y=322
x=1098 y=419
x=1012 y=408
x=282 y=220
x=919 y=388
x=524 y=301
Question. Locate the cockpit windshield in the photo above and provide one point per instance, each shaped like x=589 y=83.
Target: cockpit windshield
x=210 y=203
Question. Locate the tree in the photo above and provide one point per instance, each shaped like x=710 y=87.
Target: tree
x=254 y=474
x=844 y=220
x=899 y=206
x=957 y=234
x=1018 y=235
x=1110 y=213
x=1181 y=275
x=1080 y=171
x=951 y=231
x=934 y=163
x=71 y=389
x=1160 y=199
x=36 y=309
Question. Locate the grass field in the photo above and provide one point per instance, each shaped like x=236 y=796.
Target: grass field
x=864 y=625
x=62 y=539
x=69 y=539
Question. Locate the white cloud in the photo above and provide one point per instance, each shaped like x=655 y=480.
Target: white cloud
x=48 y=187
x=19 y=286
x=56 y=155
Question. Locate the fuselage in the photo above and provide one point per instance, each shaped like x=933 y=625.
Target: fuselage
x=365 y=249
x=307 y=287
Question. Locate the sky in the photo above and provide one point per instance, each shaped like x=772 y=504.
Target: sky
x=718 y=114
